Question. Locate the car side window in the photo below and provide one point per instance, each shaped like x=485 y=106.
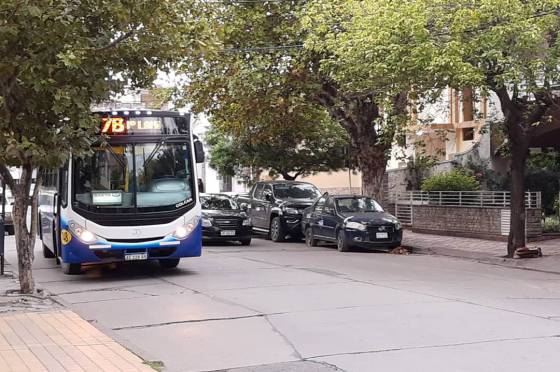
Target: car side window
x=320 y=205
x=329 y=206
x=267 y=190
x=258 y=194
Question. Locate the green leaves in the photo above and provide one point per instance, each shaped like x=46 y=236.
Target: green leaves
x=452 y=181
x=59 y=58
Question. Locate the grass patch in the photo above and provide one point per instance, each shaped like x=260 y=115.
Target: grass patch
x=155 y=364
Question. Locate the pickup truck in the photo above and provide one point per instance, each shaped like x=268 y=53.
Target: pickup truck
x=276 y=207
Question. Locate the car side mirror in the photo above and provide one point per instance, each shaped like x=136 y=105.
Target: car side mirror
x=268 y=195
x=244 y=207
x=198 y=152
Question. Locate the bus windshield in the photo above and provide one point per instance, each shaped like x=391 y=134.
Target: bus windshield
x=154 y=176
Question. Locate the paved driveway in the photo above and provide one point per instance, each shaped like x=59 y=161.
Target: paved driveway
x=286 y=307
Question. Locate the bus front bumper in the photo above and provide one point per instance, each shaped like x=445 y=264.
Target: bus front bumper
x=105 y=251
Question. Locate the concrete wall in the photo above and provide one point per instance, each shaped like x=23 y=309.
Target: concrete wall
x=483 y=223
x=341 y=182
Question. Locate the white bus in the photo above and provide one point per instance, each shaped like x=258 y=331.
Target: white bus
x=135 y=197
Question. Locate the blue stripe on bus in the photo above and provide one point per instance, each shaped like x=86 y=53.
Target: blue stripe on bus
x=78 y=252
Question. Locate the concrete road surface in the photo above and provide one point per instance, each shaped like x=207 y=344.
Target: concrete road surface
x=286 y=307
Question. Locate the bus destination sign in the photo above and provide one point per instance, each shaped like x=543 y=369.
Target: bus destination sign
x=116 y=125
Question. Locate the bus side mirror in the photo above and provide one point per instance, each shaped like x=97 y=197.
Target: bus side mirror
x=198 y=152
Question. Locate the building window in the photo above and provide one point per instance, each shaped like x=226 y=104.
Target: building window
x=468 y=134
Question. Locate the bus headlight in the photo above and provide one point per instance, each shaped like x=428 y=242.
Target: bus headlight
x=184 y=231
x=81 y=233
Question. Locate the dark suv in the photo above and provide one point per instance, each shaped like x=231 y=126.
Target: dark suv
x=276 y=207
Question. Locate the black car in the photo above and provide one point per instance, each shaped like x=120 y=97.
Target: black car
x=350 y=221
x=224 y=220
x=276 y=207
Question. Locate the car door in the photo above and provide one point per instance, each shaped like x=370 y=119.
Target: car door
x=258 y=207
x=330 y=219
x=316 y=218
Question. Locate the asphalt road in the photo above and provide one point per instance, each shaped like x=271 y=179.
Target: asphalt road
x=286 y=307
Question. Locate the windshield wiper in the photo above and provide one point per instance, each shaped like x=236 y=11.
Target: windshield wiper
x=116 y=156
x=154 y=151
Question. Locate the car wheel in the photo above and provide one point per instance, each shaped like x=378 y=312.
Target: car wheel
x=71 y=268
x=169 y=263
x=245 y=241
x=47 y=253
x=341 y=242
x=277 y=233
x=310 y=238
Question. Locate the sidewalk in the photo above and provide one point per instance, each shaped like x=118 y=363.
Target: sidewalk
x=486 y=251
x=37 y=334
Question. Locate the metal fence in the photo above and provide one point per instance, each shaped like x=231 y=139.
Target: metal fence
x=404 y=202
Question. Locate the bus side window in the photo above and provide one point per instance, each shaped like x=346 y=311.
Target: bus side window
x=63 y=185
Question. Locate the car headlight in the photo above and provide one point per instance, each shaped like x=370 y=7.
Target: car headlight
x=183 y=232
x=247 y=222
x=81 y=233
x=398 y=225
x=289 y=210
x=355 y=226
x=206 y=222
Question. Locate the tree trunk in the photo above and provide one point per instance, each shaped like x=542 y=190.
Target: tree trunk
x=25 y=243
x=24 y=235
x=517 y=236
x=372 y=163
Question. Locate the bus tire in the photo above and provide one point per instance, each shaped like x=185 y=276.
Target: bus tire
x=47 y=253
x=169 y=263
x=71 y=268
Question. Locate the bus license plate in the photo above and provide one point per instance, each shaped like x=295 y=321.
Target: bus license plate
x=227 y=232
x=136 y=256
x=382 y=235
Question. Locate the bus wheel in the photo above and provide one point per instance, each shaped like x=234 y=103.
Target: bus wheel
x=169 y=263
x=47 y=253
x=71 y=268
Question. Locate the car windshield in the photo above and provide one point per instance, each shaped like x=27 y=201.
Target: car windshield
x=296 y=191
x=357 y=204
x=217 y=202
x=151 y=175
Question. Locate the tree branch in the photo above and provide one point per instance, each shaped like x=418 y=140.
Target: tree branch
x=118 y=40
x=6 y=176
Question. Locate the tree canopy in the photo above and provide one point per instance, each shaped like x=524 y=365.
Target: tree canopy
x=293 y=150
x=263 y=72
x=258 y=97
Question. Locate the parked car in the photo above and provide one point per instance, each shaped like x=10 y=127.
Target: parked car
x=350 y=221
x=224 y=220
x=276 y=207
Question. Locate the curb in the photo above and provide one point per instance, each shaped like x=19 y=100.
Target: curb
x=512 y=263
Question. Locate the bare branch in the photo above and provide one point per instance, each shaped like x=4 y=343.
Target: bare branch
x=118 y=40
